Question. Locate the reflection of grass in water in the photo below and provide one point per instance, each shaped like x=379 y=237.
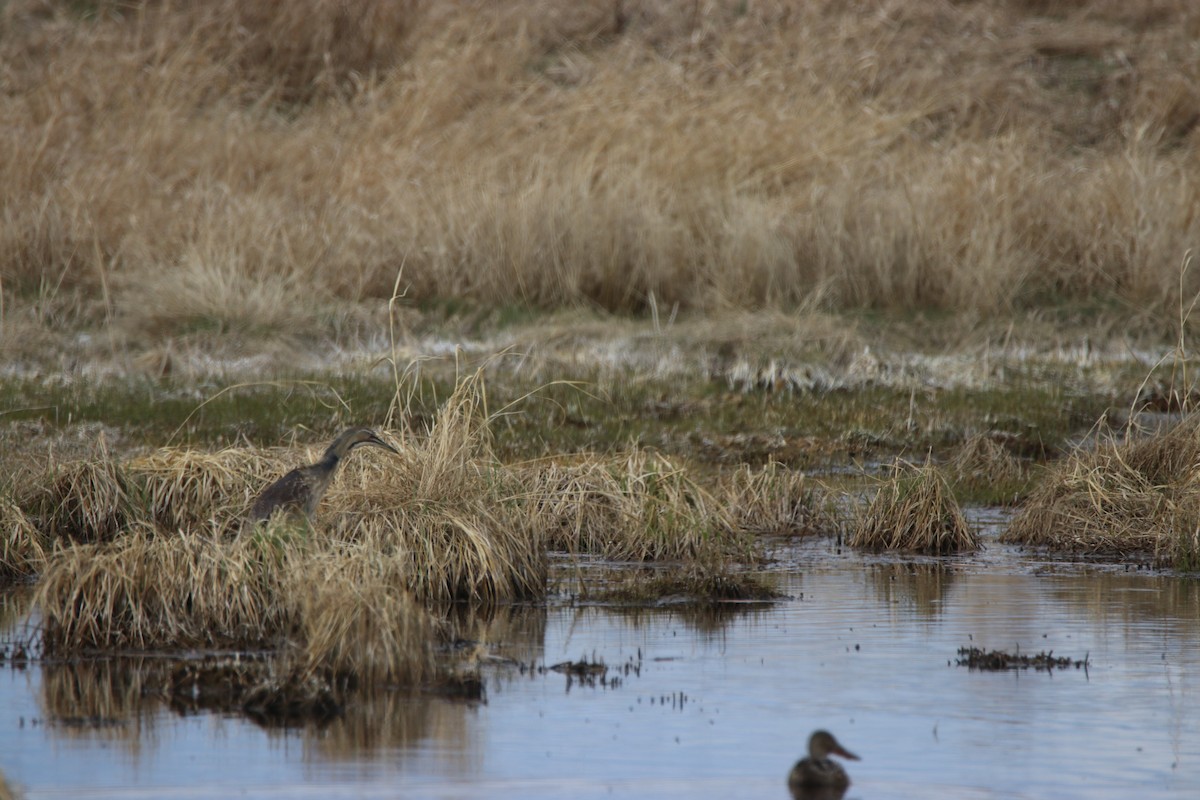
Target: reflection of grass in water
x=923 y=586
x=697 y=585
x=101 y=698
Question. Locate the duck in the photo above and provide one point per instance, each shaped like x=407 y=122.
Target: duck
x=300 y=491
x=817 y=771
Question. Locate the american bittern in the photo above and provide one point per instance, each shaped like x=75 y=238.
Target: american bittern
x=301 y=489
x=818 y=771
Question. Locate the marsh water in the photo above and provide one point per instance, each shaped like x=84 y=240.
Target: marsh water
x=701 y=704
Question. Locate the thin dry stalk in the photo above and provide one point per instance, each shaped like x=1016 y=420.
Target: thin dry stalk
x=914 y=511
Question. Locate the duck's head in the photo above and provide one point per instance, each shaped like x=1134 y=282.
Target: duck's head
x=822 y=744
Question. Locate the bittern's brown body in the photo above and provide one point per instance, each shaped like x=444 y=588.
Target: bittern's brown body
x=818 y=771
x=300 y=491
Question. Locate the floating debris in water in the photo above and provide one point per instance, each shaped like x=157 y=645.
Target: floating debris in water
x=593 y=672
x=998 y=660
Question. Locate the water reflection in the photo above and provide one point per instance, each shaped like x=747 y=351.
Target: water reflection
x=919 y=587
x=111 y=700
x=720 y=702
x=708 y=622
x=1134 y=598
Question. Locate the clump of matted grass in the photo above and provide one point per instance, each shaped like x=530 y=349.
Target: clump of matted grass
x=773 y=500
x=23 y=546
x=914 y=511
x=189 y=489
x=983 y=470
x=634 y=506
x=447 y=514
x=144 y=590
x=436 y=525
x=1124 y=498
x=337 y=612
x=91 y=500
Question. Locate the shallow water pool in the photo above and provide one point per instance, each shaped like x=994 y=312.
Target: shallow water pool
x=703 y=705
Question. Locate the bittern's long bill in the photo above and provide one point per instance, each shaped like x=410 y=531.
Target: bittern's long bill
x=301 y=490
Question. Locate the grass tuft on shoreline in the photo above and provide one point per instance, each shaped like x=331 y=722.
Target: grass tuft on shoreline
x=1125 y=498
x=914 y=511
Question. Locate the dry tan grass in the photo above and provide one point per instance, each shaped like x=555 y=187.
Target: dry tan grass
x=983 y=469
x=244 y=165
x=1135 y=498
x=914 y=511
x=447 y=514
x=89 y=500
x=633 y=506
x=144 y=590
x=346 y=598
x=192 y=489
x=23 y=546
x=773 y=500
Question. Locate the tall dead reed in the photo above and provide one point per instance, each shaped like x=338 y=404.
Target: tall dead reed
x=1134 y=498
x=914 y=511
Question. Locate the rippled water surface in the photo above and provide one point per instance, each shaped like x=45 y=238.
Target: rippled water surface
x=705 y=705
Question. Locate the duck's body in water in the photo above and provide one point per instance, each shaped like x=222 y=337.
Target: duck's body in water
x=817 y=775
x=300 y=491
